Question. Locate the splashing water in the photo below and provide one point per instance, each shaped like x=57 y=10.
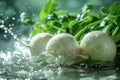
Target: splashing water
x=19 y=65
x=1 y=22
x=12 y=34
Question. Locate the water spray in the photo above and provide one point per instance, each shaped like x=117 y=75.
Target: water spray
x=13 y=35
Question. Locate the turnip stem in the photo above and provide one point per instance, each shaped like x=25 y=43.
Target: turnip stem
x=107 y=28
x=115 y=31
x=86 y=27
x=117 y=37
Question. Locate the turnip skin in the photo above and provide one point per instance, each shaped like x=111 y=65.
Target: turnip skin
x=63 y=46
x=98 y=46
x=38 y=43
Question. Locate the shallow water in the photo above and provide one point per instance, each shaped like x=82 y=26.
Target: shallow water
x=18 y=65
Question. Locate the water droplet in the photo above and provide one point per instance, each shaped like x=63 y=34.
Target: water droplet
x=1 y=14
x=10 y=28
x=96 y=35
x=33 y=14
x=7 y=18
x=15 y=36
x=102 y=24
x=18 y=20
x=5 y=31
x=12 y=24
x=5 y=36
x=1 y=22
x=1 y=26
x=13 y=18
x=9 y=25
x=12 y=34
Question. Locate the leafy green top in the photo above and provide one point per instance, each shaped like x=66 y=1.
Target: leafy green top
x=78 y=24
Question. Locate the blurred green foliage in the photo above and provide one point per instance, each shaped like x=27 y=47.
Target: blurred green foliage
x=10 y=10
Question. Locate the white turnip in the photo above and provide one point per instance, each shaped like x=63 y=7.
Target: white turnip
x=64 y=47
x=98 y=46
x=38 y=43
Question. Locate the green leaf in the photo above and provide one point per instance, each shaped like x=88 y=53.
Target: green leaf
x=28 y=22
x=62 y=12
x=114 y=9
x=118 y=21
x=43 y=63
x=26 y=19
x=104 y=12
x=51 y=17
x=38 y=29
x=49 y=8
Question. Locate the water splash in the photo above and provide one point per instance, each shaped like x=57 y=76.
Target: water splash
x=7 y=30
x=1 y=22
x=13 y=18
x=15 y=65
x=13 y=62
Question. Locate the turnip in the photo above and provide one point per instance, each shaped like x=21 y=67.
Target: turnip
x=64 y=47
x=38 y=43
x=98 y=46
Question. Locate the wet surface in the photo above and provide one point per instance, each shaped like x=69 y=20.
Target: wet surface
x=18 y=65
x=15 y=66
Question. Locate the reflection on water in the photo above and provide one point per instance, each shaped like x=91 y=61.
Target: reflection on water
x=18 y=65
